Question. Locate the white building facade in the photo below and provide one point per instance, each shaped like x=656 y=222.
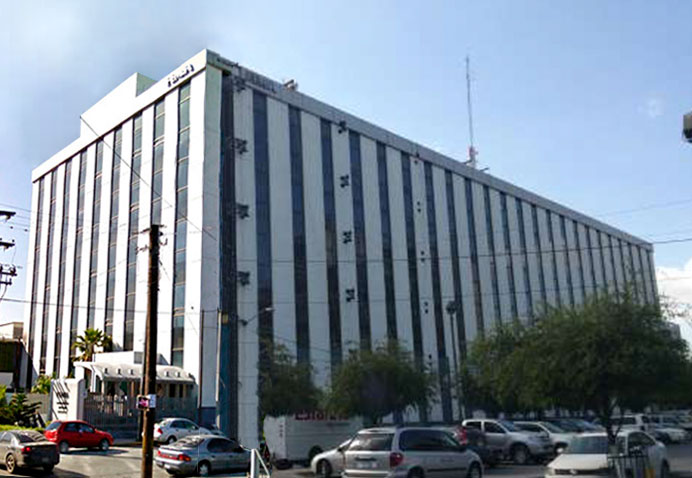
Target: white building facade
x=287 y=220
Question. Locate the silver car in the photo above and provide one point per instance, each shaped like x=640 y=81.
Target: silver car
x=515 y=444
x=202 y=454
x=330 y=462
x=172 y=429
x=409 y=452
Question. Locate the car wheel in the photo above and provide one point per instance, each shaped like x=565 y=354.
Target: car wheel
x=520 y=454
x=103 y=446
x=10 y=463
x=64 y=447
x=204 y=468
x=324 y=469
x=665 y=470
x=416 y=473
x=48 y=468
x=170 y=440
x=314 y=451
x=475 y=471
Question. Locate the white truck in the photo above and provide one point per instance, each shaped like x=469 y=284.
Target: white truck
x=298 y=438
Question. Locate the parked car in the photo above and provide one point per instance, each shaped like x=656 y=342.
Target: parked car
x=671 y=426
x=558 y=437
x=588 y=454
x=27 y=448
x=202 y=454
x=635 y=421
x=77 y=434
x=513 y=443
x=330 y=462
x=574 y=425
x=412 y=452
x=169 y=430
x=477 y=442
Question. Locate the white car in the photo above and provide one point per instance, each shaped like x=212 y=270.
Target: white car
x=558 y=437
x=173 y=429
x=330 y=462
x=587 y=455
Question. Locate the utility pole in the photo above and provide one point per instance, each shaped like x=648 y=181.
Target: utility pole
x=150 y=351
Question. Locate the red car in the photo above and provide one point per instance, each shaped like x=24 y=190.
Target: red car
x=77 y=433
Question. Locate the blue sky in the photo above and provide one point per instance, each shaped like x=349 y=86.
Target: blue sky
x=580 y=101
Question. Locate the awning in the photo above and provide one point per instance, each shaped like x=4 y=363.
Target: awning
x=109 y=372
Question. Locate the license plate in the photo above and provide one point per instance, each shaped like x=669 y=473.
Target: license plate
x=45 y=459
x=366 y=464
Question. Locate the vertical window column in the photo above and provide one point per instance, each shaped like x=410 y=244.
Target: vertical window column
x=331 y=244
x=157 y=171
x=525 y=257
x=49 y=271
x=577 y=244
x=133 y=232
x=510 y=257
x=63 y=268
x=79 y=245
x=612 y=264
x=553 y=257
x=568 y=268
x=539 y=253
x=94 y=253
x=113 y=230
x=442 y=359
x=180 y=242
x=359 y=233
x=592 y=262
x=490 y=234
x=458 y=309
x=300 y=268
x=386 y=225
x=473 y=247
x=34 y=285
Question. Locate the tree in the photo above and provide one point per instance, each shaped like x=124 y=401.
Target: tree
x=17 y=411
x=610 y=354
x=88 y=341
x=42 y=384
x=285 y=386
x=379 y=382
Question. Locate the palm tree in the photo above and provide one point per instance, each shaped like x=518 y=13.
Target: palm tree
x=88 y=341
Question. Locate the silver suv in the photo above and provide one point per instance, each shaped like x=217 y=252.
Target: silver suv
x=409 y=452
x=518 y=445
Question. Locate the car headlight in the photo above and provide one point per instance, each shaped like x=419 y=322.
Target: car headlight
x=550 y=471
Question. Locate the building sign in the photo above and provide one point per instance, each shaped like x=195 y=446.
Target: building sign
x=146 y=401
x=259 y=81
x=183 y=73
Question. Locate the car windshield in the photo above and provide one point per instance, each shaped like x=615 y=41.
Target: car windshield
x=372 y=442
x=592 y=445
x=53 y=425
x=553 y=428
x=29 y=436
x=509 y=426
x=568 y=426
x=189 y=442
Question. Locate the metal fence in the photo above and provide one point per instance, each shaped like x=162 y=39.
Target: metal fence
x=120 y=416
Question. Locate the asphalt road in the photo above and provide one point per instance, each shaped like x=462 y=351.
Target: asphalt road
x=125 y=462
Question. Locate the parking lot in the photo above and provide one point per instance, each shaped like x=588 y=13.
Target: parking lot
x=125 y=462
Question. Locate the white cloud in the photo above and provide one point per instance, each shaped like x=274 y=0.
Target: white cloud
x=676 y=283
x=653 y=107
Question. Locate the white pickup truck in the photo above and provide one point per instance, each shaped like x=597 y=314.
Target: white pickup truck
x=298 y=438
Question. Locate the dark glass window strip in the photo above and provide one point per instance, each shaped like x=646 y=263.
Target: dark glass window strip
x=96 y=217
x=77 y=272
x=642 y=272
x=63 y=267
x=612 y=264
x=49 y=272
x=652 y=276
x=602 y=252
x=412 y=267
x=386 y=225
x=510 y=256
x=565 y=254
x=263 y=223
x=473 y=247
x=592 y=262
x=525 y=257
x=442 y=359
x=553 y=257
x=623 y=264
x=458 y=305
x=300 y=268
x=359 y=233
x=331 y=244
x=539 y=253
x=492 y=258
x=34 y=285
x=133 y=233
x=157 y=170
x=113 y=230
x=633 y=274
x=180 y=242
x=577 y=243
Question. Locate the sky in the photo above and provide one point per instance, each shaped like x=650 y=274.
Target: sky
x=579 y=101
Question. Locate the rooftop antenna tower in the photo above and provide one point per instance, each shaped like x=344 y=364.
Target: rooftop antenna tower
x=472 y=150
